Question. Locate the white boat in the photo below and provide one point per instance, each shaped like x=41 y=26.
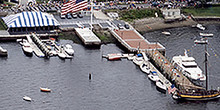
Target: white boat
x=188 y=67
x=153 y=78
x=45 y=89
x=3 y=52
x=26 y=98
x=114 y=56
x=201 y=41
x=166 y=33
x=160 y=86
x=200 y=26
x=61 y=55
x=68 y=49
x=206 y=35
x=145 y=68
x=138 y=59
x=26 y=47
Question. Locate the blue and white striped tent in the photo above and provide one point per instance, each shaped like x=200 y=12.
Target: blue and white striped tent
x=30 y=19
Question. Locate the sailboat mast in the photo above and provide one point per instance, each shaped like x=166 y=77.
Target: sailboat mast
x=206 y=70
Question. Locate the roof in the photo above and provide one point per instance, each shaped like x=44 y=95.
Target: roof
x=30 y=19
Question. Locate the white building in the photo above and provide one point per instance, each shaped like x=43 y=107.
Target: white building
x=171 y=13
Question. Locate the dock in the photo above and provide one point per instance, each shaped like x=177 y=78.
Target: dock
x=87 y=36
x=168 y=70
x=35 y=48
x=163 y=79
x=134 y=41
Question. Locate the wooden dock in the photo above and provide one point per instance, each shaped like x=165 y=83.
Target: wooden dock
x=35 y=48
x=87 y=36
x=170 y=72
x=134 y=41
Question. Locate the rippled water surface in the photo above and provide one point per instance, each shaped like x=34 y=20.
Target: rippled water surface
x=115 y=85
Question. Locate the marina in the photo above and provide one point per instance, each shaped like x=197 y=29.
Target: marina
x=137 y=74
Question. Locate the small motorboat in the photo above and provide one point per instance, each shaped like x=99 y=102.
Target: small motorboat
x=138 y=59
x=160 y=86
x=206 y=35
x=145 y=68
x=26 y=47
x=153 y=78
x=26 y=98
x=68 y=49
x=166 y=33
x=202 y=41
x=45 y=89
x=115 y=56
x=3 y=52
x=200 y=26
x=62 y=55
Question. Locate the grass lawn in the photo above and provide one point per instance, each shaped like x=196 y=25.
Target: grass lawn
x=210 y=11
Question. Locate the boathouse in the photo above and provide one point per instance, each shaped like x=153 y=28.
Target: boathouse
x=30 y=21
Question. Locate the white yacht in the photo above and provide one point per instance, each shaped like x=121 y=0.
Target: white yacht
x=188 y=67
x=68 y=49
x=26 y=47
x=138 y=59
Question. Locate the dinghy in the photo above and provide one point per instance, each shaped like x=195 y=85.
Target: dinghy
x=26 y=98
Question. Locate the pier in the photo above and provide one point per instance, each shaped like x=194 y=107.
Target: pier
x=35 y=48
x=134 y=41
x=168 y=70
x=87 y=36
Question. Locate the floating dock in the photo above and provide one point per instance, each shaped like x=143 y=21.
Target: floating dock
x=87 y=36
x=35 y=48
x=134 y=41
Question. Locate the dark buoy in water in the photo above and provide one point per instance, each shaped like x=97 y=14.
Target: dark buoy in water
x=90 y=76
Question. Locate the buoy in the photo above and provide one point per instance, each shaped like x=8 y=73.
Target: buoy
x=90 y=76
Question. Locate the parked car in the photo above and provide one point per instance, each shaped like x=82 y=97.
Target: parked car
x=74 y=15
x=68 y=16
x=62 y=16
x=120 y=26
x=126 y=26
x=80 y=15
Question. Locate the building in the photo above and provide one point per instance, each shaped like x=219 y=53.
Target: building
x=30 y=21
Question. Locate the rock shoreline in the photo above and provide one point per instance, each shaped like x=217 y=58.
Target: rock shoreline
x=153 y=24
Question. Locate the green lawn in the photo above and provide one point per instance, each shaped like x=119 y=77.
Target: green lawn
x=211 y=11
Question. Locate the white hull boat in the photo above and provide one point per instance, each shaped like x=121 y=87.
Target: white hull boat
x=200 y=27
x=202 y=41
x=188 y=67
x=3 y=52
x=145 y=68
x=138 y=60
x=45 y=89
x=68 y=49
x=26 y=98
x=166 y=33
x=153 y=78
x=206 y=35
x=161 y=87
x=62 y=55
x=26 y=47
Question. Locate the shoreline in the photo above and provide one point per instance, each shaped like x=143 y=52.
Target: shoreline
x=154 y=24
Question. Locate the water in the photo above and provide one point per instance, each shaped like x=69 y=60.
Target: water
x=114 y=85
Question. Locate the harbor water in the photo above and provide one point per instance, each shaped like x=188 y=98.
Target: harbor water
x=115 y=85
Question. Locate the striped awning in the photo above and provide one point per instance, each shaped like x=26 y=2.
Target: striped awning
x=30 y=19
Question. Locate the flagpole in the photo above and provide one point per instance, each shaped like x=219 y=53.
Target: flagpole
x=91 y=12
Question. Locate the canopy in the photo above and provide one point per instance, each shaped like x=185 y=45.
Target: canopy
x=30 y=19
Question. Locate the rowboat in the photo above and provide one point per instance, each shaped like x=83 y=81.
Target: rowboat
x=45 y=89
x=26 y=98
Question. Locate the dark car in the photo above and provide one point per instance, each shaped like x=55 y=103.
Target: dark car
x=80 y=15
x=126 y=26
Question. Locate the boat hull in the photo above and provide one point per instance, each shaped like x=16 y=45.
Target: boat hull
x=45 y=90
x=3 y=54
x=28 y=53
